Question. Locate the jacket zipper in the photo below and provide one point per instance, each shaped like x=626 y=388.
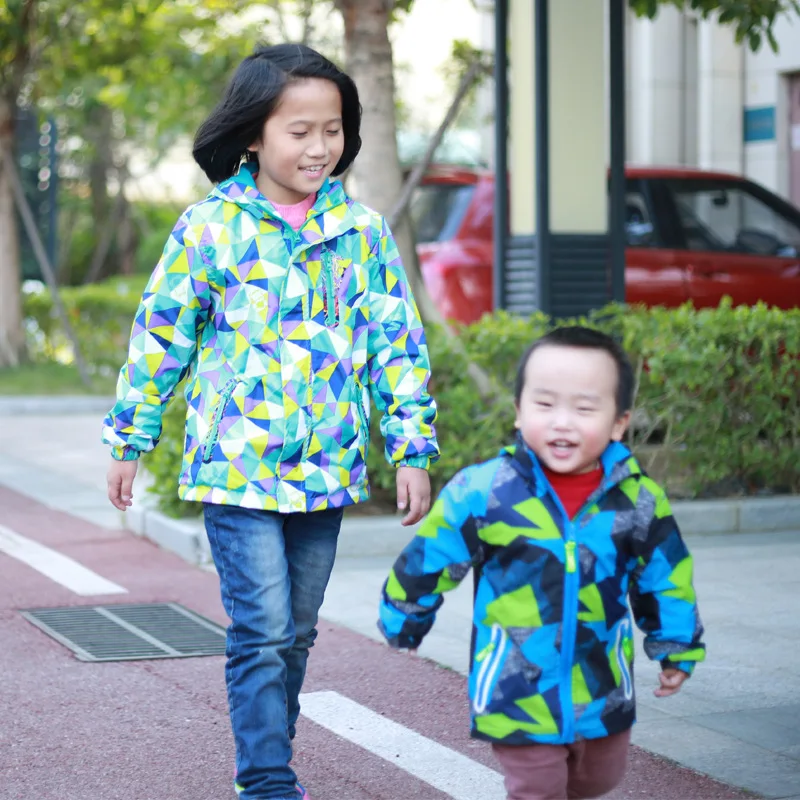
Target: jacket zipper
x=210 y=442
x=492 y=656
x=572 y=579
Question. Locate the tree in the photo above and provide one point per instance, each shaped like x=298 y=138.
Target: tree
x=112 y=57
x=752 y=20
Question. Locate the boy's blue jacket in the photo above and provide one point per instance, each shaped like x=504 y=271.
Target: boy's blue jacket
x=552 y=644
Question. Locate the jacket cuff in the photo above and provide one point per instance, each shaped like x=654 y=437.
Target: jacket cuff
x=125 y=453
x=683 y=666
x=419 y=462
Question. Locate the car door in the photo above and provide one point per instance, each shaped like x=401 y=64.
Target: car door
x=653 y=273
x=453 y=227
x=738 y=240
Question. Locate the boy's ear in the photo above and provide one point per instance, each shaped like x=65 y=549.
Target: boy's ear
x=516 y=416
x=620 y=426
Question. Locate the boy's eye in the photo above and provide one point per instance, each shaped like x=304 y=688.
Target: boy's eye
x=585 y=410
x=543 y=404
x=298 y=135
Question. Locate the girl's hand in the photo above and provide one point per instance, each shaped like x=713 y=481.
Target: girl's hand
x=671 y=681
x=120 y=483
x=413 y=493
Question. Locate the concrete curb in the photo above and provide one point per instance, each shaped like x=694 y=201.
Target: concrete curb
x=380 y=536
x=54 y=404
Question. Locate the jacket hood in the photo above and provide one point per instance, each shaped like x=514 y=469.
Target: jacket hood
x=329 y=217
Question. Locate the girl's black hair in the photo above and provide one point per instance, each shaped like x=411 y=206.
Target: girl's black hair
x=589 y=339
x=253 y=94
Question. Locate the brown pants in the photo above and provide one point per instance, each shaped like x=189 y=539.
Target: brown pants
x=589 y=768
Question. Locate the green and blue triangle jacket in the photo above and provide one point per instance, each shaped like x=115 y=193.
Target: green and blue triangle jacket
x=552 y=645
x=285 y=336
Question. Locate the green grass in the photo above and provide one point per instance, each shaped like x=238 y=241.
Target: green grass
x=50 y=379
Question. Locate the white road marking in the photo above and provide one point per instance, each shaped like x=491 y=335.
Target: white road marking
x=54 y=565
x=451 y=772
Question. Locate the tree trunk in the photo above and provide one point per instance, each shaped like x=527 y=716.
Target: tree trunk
x=377 y=173
x=12 y=339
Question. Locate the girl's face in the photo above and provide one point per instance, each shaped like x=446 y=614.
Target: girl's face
x=301 y=142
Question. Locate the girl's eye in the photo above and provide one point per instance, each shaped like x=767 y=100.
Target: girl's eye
x=298 y=135
x=334 y=133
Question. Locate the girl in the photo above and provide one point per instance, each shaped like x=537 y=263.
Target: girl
x=287 y=303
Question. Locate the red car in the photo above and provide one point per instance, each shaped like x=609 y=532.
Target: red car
x=691 y=235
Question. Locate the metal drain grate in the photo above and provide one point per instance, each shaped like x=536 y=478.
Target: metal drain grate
x=130 y=632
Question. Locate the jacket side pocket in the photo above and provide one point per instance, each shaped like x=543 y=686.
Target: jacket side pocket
x=210 y=442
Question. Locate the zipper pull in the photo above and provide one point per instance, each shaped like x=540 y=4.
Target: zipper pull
x=570 y=550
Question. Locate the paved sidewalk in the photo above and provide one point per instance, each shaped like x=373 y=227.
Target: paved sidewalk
x=738 y=719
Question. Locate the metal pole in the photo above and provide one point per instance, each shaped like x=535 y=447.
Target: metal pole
x=541 y=58
x=616 y=45
x=500 y=223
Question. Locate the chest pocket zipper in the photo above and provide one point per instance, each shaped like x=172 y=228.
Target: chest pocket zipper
x=331 y=281
x=210 y=442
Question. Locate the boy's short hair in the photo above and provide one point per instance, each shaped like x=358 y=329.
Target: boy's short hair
x=589 y=339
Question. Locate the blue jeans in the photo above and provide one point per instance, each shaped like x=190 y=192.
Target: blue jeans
x=273 y=570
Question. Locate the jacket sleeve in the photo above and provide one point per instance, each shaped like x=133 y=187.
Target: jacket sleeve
x=168 y=322
x=399 y=365
x=662 y=594
x=436 y=560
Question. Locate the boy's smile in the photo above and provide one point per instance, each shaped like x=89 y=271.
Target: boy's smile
x=567 y=412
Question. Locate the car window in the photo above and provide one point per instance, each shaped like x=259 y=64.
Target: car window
x=731 y=217
x=639 y=228
x=437 y=210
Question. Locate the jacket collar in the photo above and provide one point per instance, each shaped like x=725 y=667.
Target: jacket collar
x=329 y=217
x=617 y=462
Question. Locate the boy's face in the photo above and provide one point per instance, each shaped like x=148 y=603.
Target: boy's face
x=567 y=413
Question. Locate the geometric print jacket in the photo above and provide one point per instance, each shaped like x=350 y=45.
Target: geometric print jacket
x=552 y=645
x=284 y=336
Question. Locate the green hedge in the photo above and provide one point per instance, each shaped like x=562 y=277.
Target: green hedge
x=101 y=315
x=717 y=405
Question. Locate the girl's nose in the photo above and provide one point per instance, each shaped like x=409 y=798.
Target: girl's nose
x=317 y=148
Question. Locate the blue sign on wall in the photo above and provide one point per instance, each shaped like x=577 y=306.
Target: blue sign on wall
x=759 y=124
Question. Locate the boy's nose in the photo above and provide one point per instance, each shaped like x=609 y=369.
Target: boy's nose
x=562 y=421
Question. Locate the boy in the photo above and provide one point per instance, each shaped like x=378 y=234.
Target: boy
x=561 y=530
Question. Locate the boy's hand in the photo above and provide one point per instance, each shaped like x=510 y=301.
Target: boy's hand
x=671 y=681
x=413 y=493
x=120 y=483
